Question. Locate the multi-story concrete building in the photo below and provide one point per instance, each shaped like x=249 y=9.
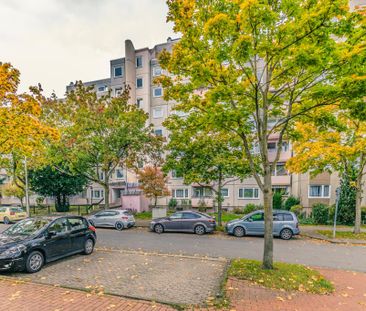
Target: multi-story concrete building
x=138 y=69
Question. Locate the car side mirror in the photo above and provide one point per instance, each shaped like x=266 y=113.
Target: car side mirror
x=51 y=234
x=249 y=219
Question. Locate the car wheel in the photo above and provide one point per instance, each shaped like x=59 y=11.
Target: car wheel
x=119 y=226
x=199 y=229
x=239 y=232
x=88 y=246
x=286 y=234
x=6 y=220
x=34 y=262
x=158 y=228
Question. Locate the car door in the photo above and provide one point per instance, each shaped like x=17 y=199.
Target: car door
x=2 y=213
x=112 y=217
x=57 y=242
x=175 y=222
x=79 y=228
x=189 y=221
x=255 y=224
x=98 y=218
x=277 y=223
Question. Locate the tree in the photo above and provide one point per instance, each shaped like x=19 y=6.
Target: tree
x=153 y=182
x=49 y=181
x=250 y=68
x=12 y=190
x=98 y=133
x=339 y=146
x=211 y=160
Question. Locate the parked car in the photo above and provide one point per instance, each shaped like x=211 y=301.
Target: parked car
x=10 y=214
x=185 y=221
x=30 y=243
x=285 y=224
x=115 y=218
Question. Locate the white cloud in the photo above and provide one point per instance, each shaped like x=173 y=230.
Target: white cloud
x=57 y=41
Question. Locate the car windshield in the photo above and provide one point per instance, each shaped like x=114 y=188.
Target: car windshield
x=27 y=227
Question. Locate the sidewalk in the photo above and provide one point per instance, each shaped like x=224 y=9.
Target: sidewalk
x=28 y=296
x=350 y=295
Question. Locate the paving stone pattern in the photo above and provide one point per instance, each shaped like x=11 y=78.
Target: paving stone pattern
x=164 y=278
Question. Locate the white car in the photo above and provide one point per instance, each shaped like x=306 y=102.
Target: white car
x=116 y=218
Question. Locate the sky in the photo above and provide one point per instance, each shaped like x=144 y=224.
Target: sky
x=54 y=42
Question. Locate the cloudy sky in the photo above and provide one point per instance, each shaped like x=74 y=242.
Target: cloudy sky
x=57 y=41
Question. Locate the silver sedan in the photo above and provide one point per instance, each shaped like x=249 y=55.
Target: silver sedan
x=115 y=218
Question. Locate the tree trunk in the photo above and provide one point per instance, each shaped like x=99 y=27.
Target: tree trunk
x=357 y=228
x=155 y=201
x=219 y=202
x=268 y=221
x=106 y=190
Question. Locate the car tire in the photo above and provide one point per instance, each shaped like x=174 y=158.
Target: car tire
x=34 y=262
x=158 y=228
x=6 y=220
x=239 y=232
x=286 y=234
x=119 y=226
x=200 y=230
x=88 y=247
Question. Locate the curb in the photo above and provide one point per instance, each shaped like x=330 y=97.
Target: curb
x=333 y=241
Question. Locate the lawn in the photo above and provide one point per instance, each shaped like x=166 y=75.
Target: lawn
x=226 y=217
x=343 y=234
x=284 y=276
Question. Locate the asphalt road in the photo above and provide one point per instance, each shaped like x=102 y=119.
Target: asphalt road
x=298 y=250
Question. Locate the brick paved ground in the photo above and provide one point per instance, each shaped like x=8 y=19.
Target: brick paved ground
x=27 y=296
x=172 y=279
x=350 y=295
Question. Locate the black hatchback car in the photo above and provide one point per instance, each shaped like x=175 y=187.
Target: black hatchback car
x=32 y=242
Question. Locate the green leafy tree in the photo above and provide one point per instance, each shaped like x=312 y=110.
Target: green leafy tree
x=12 y=190
x=51 y=182
x=98 y=133
x=347 y=199
x=210 y=160
x=251 y=68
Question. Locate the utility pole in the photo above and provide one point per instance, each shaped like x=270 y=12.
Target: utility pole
x=338 y=192
x=26 y=187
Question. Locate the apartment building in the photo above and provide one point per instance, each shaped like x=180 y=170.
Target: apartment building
x=138 y=69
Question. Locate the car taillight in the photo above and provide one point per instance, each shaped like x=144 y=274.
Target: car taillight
x=12 y=213
x=92 y=228
x=211 y=220
x=125 y=218
x=297 y=225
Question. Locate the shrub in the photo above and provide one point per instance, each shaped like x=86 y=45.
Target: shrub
x=250 y=208
x=172 y=203
x=238 y=210
x=290 y=202
x=320 y=214
x=277 y=200
x=296 y=209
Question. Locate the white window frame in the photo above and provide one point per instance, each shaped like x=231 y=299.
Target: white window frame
x=142 y=79
x=114 y=72
x=121 y=171
x=157 y=88
x=139 y=57
x=185 y=193
x=105 y=88
x=275 y=172
x=155 y=73
x=118 y=91
x=100 y=194
x=140 y=102
x=255 y=190
x=228 y=193
x=159 y=129
x=155 y=115
x=322 y=192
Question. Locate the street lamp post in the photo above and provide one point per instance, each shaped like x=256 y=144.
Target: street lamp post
x=26 y=187
x=338 y=190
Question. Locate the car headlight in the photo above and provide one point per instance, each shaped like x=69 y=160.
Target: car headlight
x=13 y=252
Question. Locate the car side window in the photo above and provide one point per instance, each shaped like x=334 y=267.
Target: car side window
x=190 y=216
x=287 y=217
x=60 y=225
x=177 y=216
x=77 y=223
x=2 y=209
x=256 y=217
x=277 y=217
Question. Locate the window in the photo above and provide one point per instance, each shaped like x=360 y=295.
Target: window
x=118 y=72
x=176 y=174
x=59 y=226
x=272 y=146
x=156 y=71
x=140 y=103
x=180 y=193
x=202 y=192
x=283 y=217
x=225 y=192
x=102 y=88
x=139 y=83
x=280 y=189
x=284 y=146
x=77 y=224
x=280 y=170
x=256 y=217
x=248 y=193
x=319 y=191
x=139 y=61
x=176 y=216
x=190 y=216
x=158 y=112
x=157 y=92
x=118 y=92
x=97 y=194
x=119 y=173
x=158 y=132
x=101 y=176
